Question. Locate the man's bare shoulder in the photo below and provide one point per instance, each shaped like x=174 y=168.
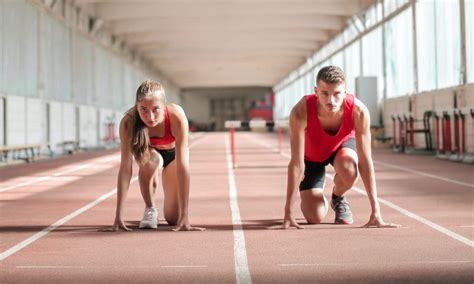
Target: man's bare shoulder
x=359 y=107
x=298 y=111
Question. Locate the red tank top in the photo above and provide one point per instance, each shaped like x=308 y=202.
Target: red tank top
x=318 y=144
x=168 y=137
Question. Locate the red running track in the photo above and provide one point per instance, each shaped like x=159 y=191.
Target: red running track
x=432 y=199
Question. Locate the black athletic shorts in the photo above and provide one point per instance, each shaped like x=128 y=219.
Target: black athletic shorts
x=314 y=172
x=168 y=155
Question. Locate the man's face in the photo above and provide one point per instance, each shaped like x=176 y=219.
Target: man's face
x=151 y=110
x=330 y=96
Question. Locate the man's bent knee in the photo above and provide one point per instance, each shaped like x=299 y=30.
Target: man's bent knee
x=346 y=170
x=314 y=205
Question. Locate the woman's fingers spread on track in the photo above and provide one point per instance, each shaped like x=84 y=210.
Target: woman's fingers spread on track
x=186 y=228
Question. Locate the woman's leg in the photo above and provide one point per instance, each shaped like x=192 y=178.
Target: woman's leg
x=147 y=177
x=170 y=189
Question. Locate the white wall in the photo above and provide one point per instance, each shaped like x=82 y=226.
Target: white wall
x=55 y=126
x=16 y=120
x=2 y=25
x=2 y=121
x=69 y=122
x=53 y=63
x=105 y=116
x=88 y=126
x=34 y=120
x=197 y=108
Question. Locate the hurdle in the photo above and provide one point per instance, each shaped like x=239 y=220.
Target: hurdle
x=232 y=125
x=451 y=138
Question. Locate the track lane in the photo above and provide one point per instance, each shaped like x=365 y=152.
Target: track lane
x=335 y=253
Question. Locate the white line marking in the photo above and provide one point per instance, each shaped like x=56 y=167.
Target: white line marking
x=65 y=219
x=374 y=263
x=47 y=267
x=58 y=223
x=25 y=183
x=81 y=166
x=45 y=177
x=417 y=218
x=242 y=272
x=426 y=174
x=184 y=266
x=80 y=266
x=71 y=170
x=407 y=213
x=466 y=226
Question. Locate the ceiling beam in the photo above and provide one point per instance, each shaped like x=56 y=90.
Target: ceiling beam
x=250 y=36
x=127 y=10
x=231 y=23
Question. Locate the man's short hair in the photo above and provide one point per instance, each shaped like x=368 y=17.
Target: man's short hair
x=331 y=75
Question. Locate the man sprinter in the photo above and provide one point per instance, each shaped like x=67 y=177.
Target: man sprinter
x=330 y=127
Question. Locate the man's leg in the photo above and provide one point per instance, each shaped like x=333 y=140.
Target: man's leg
x=345 y=166
x=313 y=203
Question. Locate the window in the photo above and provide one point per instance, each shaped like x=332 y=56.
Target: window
x=437 y=24
x=426 y=54
x=338 y=59
x=373 y=57
x=56 y=58
x=20 y=48
x=448 y=43
x=399 y=54
x=469 y=11
x=83 y=83
x=352 y=67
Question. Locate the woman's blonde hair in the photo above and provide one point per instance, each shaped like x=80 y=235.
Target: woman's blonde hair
x=140 y=138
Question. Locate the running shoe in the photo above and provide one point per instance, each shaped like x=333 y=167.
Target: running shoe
x=150 y=218
x=343 y=210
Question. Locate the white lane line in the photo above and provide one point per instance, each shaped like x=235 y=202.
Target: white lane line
x=242 y=272
x=425 y=174
x=44 y=178
x=184 y=266
x=58 y=223
x=67 y=218
x=406 y=212
x=417 y=218
x=80 y=266
x=25 y=183
x=47 y=267
x=374 y=263
x=81 y=166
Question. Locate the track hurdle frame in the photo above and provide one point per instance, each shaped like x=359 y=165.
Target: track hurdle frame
x=232 y=125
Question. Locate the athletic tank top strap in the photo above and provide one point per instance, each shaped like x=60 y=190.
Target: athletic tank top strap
x=167 y=123
x=167 y=136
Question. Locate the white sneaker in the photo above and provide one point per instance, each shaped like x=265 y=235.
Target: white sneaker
x=150 y=218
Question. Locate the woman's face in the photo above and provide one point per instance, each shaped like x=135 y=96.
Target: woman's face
x=151 y=110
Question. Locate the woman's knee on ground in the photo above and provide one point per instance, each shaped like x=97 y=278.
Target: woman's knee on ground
x=171 y=218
